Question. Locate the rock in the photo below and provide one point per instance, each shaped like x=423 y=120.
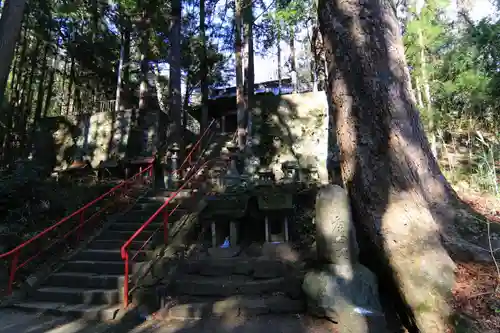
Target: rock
x=347 y=295
x=335 y=234
x=280 y=251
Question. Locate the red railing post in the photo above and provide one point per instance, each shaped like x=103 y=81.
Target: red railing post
x=12 y=273
x=165 y=225
x=125 y=282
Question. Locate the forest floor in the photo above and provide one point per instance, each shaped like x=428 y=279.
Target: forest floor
x=475 y=301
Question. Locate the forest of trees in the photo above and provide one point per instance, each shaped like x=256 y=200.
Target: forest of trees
x=414 y=91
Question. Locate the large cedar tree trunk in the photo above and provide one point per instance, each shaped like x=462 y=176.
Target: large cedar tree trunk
x=175 y=75
x=203 y=68
x=240 y=97
x=397 y=192
x=10 y=26
x=249 y=70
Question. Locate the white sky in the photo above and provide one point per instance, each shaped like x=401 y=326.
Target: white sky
x=482 y=8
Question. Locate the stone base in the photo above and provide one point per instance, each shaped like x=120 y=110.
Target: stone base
x=347 y=295
x=232 y=251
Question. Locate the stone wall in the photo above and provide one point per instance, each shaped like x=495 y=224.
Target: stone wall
x=106 y=135
x=292 y=127
x=55 y=142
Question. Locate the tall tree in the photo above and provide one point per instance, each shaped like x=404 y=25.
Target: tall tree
x=249 y=63
x=240 y=97
x=175 y=72
x=402 y=205
x=10 y=27
x=144 y=27
x=203 y=68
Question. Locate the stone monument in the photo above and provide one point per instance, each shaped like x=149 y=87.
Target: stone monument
x=341 y=289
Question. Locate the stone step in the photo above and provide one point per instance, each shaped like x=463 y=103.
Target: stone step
x=77 y=295
x=84 y=311
x=235 y=306
x=101 y=267
x=134 y=226
x=116 y=244
x=132 y=223
x=85 y=280
x=227 y=285
x=145 y=204
x=109 y=255
x=124 y=235
x=255 y=267
x=164 y=195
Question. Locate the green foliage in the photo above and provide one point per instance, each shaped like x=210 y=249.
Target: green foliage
x=462 y=63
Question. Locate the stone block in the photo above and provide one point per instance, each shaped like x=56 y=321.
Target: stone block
x=347 y=295
x=229 y=252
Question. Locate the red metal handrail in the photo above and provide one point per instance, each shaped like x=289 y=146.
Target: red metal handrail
x=123 y=251
x=15 y=252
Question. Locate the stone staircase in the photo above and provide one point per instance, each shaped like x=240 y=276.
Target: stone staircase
x=214 y=284
x=89 y=284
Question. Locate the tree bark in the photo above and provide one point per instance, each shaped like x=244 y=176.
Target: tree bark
x=70 y=85
x=240 y=97
x=10 y=26
x=203 y=69
x=293 y=60
x=144 y=86
x=249 y=66
x=278 y=55
x=394 y=183
x=175 y=75
x=40 y=96
x=50 y=85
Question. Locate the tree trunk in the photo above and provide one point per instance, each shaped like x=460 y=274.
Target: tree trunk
x=16 y=61
x=125 y=75
x=175 y=75
x=279 y=58
x=139 y=133
x=427 y=93
x=70 y=85
x=63 y=89
x=293 y=61
x=40 y=94
x=10 y=26
x=203 y=69
x=249 y=66
x=393 y=180
x=16 y=82
x=240 y=97
x=50 y=85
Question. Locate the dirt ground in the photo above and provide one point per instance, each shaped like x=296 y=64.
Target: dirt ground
x=475 y=300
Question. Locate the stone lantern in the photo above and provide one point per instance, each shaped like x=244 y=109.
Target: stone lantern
x=174 y=163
